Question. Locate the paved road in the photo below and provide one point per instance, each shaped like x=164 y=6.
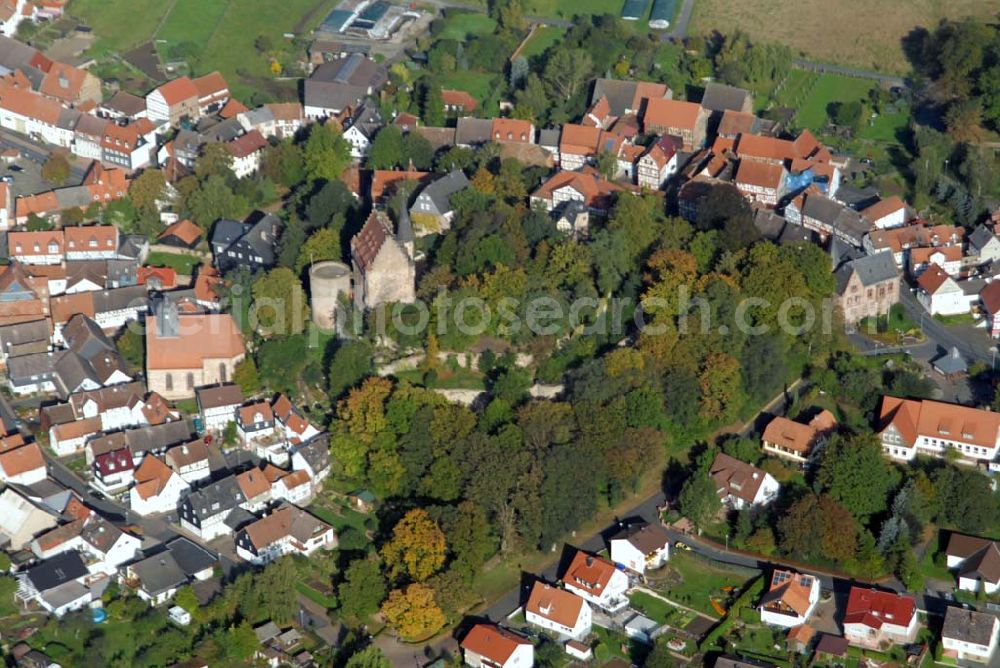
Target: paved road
x=679 y=29
x=930 y=601
x=974 y=344
x=812 y=65
x=36 y=152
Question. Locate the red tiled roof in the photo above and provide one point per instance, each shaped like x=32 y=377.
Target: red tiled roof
x=589 y=573
x=203 y=336
x=873 y=608
x=368 y=242
x=177 y=91
x=762 y=174
x=557 y=605
x=512 y=129
x=459 y=99
x=671 y=114
x=211 y=84
x=186 y=231
x=492 y=643
x=883 y=208
x=247 y=144
x=22 y=459
x=232 y=108
x=932 y=279
x=165 y=276
x=151 y=477
x=91 y=237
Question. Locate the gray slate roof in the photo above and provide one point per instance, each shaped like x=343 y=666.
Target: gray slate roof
x=968 y=625
x=438 y=194
x=159 y=573
x=191 y=557
x=218 y=497
x=470 y=131
x=720 y=97
x=980 y=237
x=871 y=269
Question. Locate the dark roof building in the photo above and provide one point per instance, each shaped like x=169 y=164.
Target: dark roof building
x=236 y=244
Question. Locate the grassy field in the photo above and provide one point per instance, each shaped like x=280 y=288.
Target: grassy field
x=460 y=25
x=693 y=580
x=829 y=88
x=567 y=9
x=476 y=84
x=543 y=38
x=652 y=607
x=852 y=32
x=224 y=31
x=182 y=264
x=193 y=20
x=120 y=24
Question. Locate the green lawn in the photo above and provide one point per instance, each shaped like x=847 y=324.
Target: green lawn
x=463 y=379
x=829 y=88
x=960 y=319
x=567 y=9
x=222 y=30
x=315 y=596
x=182 y=264
x=794 y=90
x=340 y=518
x=461 y=25
x=693 y=580
x=654 y=608
x=193 y=20
x=476 y=84
x=120 y=24
x=886 y=127
x=544 y=37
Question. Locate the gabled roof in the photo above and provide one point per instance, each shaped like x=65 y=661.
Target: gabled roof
x=983 y=565
x=936 y=419
x=792 y=589
x=932 y=279
x=671 y=114
x=557 y=605
x=22 y=459
x=216 y=498
x=287 y=521
x=720 y=97
x=762 y=174
x=623 y=96
x=152 y=477
x=187 y=454
x=57 y=571
x=217 y=397
x=201 y=336
x=872 y=608
x=977 y=628
x=210 y=85
x=247 y=144
x=253 y=483
x=736 y=478
x=177 y=91
x=883 y=208
x=493 y=643
x=647 y=538
x=589 y=573
x=596 y=190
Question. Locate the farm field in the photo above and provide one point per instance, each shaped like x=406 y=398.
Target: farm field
x=859 y=33
x=567 y=9
x=192 y=21
x=223 y=32
x=120 y=24
x=459 y=25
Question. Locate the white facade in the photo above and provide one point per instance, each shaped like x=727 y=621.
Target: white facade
x=164 y=502
x=625 y=553
x=766 y=493
x=157 y=109
x=894 y=447
x=948 y=299
x=611 y=597
x=246 y=165
x=358 y=140
x=969 y=651
x=650 y=175
x=282 y=546
x=522 y=657
x=789 y=618
x=579 y=630
x=973 y=585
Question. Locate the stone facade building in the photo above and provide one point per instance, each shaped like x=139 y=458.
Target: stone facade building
x=382 y=262
x=867 y=287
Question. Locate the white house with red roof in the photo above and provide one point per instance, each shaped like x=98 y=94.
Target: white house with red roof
x=157 y=489
x=910 y=427
x=656 y=165
x=890 y=212
x=22 y=463
x=295 y=487
x=173 y=101
x=876 y=619
x=558 y=610
x=246 y=151
x=489 y=646
x=597 y=581
x=941 y=294
x=790 y=600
